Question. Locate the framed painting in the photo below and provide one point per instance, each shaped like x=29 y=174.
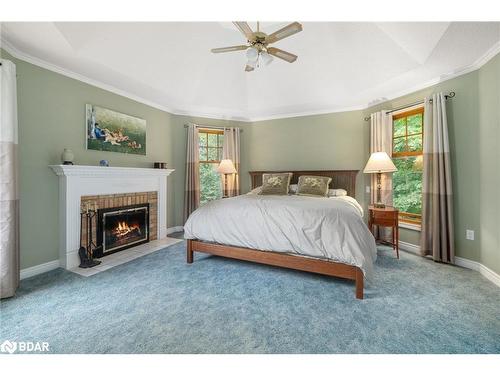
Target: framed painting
x=108 y=130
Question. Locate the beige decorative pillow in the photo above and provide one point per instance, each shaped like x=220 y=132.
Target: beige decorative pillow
x=313 y=185
x=275 y=183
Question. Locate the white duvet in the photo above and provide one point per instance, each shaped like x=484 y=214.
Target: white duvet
x=328 y=228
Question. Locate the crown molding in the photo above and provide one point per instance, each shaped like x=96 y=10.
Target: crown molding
x=238 y=116
x=7 y=46
x=18 y=54
x=307 y=113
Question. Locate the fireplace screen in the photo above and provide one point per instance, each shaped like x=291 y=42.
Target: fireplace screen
x=122 y=227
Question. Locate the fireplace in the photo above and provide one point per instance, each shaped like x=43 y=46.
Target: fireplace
x=119 y=228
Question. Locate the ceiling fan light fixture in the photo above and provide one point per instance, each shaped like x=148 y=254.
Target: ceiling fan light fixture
x=258 y=51
x=252 y=54
x=266 y=58
x=252 y=63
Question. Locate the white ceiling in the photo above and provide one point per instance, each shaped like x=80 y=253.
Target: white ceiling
x=341 y=66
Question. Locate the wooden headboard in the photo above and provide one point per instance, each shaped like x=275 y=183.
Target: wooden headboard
x=340 y=179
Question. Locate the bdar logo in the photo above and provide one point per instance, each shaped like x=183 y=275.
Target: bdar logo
x=8 y=347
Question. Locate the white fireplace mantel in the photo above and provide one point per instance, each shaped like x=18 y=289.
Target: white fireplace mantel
x=76 y=181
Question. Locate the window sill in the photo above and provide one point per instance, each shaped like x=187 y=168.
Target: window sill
x=415 y=227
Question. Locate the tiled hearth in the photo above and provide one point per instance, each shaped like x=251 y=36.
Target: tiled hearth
x=127 y=255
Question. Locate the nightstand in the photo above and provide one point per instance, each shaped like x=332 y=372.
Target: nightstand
x=385 y=217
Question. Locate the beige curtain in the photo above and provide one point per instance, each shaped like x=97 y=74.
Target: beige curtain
x=437 y=208
x=231 y=150
x=381 y=140
x=9 y=199
x=192 y=190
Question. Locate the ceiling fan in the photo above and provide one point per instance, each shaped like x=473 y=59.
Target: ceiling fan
x=258 y=49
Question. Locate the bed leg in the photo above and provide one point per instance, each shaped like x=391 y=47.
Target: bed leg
x=189 y=251
x=359 y=284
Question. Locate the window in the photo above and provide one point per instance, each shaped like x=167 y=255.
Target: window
x=407 y=155
x=210 y=146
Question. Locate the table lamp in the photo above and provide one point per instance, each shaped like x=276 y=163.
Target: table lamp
x=379 y=163
x=226 y=167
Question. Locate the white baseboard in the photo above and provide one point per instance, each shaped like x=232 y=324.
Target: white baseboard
x=175 y=229
x=467 y=263
x=52 y=265
x=411 y=248
x=481 y=268
x=461 y=262
x=38 y=269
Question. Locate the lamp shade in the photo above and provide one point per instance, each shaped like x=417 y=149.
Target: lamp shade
x=226 y=166
x=379 y=162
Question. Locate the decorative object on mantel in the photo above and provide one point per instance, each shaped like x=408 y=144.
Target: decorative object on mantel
x=67 y=157
x=104 y=163
x=108 y=130
x=86 y=253
x=160 y=165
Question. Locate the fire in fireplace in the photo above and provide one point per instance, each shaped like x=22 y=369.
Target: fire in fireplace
x=121 y=227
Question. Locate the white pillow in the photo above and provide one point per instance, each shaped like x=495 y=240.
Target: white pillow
x=337 y=192
x=292 y=189
x=255 y=191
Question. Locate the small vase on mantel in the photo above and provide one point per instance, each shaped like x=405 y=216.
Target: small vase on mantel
x=67 y=157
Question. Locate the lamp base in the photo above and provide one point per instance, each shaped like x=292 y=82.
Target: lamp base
x=379 y=205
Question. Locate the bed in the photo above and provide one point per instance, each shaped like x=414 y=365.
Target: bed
x=321 y=235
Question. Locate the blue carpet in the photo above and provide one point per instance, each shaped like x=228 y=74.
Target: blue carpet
x=159 y=304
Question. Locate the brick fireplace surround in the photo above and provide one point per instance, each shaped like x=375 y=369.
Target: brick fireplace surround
x=120 y=200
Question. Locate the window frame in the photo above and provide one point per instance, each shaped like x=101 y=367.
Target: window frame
x=406 y=114
x=406 y=218
x=207 y=147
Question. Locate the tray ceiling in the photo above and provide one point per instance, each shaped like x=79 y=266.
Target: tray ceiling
x=341 y=65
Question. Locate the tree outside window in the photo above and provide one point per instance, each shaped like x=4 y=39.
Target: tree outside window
x=407 y=154
x=210 y=146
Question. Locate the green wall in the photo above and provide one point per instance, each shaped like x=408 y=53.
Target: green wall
x=51 y=112
x=462 y=113
x=330 y=141
x=51 y=117
x=341 y=141
x=489 y=163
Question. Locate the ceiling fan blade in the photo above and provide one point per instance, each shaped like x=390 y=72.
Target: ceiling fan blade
x=287 y=56
x=228 y=49
x=248 y=68
x=244 y=28
x=285 y=32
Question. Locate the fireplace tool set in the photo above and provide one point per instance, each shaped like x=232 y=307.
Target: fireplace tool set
x=86 y=253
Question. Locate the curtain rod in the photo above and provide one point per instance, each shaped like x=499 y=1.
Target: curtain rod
x=212 y=127
x=446 y=97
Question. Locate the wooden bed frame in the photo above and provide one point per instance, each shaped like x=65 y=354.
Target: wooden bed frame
x=341 y=179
